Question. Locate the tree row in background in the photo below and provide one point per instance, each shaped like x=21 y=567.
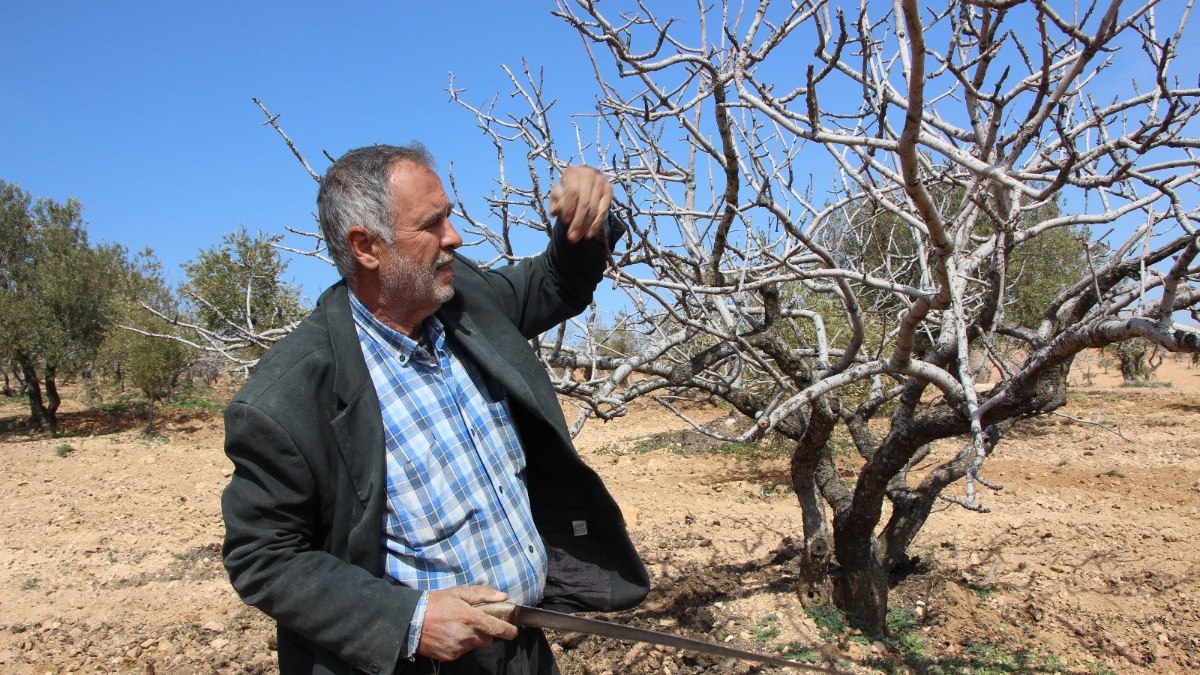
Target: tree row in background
x=71 y=309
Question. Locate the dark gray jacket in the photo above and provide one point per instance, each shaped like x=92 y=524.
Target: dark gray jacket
x=304 y=508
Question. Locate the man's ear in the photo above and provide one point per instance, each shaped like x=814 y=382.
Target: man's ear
x=363 y=246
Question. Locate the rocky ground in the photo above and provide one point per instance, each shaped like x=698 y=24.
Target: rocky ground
x=109 y=548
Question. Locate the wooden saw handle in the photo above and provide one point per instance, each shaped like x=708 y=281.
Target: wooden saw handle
x=505 y=611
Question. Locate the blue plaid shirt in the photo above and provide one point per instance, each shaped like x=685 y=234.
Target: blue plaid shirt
x=457 y=506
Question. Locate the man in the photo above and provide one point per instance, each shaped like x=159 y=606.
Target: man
x=401 y=456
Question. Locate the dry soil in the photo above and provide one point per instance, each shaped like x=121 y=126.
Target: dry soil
x=1086 y=563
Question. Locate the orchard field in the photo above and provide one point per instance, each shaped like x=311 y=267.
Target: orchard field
x=109 y=547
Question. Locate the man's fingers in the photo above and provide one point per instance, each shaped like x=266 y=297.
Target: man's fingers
x=473 y=595
x=497 y=628
x=581 y=199
x=453 y=627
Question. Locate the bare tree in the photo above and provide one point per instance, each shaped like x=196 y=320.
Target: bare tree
x=760 y=147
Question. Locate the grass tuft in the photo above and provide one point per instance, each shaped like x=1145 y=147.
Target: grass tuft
x=829 y=619
x=767 y=629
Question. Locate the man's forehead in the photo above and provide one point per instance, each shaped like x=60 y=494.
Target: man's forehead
x=413 y=178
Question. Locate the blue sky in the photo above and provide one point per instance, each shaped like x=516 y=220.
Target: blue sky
x=143 y=111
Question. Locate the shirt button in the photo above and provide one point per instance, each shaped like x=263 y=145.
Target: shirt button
x=531 y=548
x=501 y=487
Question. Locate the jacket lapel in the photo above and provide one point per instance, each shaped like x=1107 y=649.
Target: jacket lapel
x=502 y=354
x=357 y=425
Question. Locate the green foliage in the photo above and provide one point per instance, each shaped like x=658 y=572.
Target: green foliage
x=798 y=651
x=144 y=354
x=120 y=406
x=58 y=293
x=618 y=339
x=997 y=659
x=192 y=400
x=767 y=629
x=737 y=448
x=840 y=446
x=884 y=245
x=829 y=619
x=1042 y=267
x=1147 y=384
x=1138 y=359
x=773 y=446
x=63 y=450
x=1053 y=663
x=911 y=645
x=901 y=619
x=237 y=287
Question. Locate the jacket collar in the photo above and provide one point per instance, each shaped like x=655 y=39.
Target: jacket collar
x=507 y=366
x=350 y=370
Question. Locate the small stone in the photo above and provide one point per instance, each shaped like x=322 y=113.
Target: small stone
x=214 y=627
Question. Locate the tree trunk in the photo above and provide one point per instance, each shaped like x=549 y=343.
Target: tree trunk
x=53 y=400
x=149 y=431
x=909 y=513
x=814 y=569
x=864 y=586
x=38 y=416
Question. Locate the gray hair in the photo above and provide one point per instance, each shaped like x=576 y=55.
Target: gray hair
x=356 y=191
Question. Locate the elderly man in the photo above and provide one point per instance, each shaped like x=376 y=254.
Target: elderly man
x=401 y=456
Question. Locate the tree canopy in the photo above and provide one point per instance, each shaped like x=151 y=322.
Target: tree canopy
x=238 y=297
x=58 y=294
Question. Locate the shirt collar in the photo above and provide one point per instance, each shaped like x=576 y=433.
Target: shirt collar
x=392 y=340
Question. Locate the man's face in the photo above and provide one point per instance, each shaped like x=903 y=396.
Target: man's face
x=415 y=270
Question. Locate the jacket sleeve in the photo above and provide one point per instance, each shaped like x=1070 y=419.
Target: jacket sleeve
x=273 y=550
x=557 y=284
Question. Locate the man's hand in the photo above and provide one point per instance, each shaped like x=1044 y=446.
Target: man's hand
x=581 y=199
x=453 y=627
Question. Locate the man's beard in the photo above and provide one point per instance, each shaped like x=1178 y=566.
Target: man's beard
x=413 y=285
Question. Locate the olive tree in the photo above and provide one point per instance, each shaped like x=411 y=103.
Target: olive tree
x=137 y=354
x=58 y=293
x=237 y=302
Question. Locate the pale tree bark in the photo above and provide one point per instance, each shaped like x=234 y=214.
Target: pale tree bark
x=760 y=150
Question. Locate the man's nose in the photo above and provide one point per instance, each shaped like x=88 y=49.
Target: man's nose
x=451 y=239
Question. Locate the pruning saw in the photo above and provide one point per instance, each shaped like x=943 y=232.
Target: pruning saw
x=520 y=615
